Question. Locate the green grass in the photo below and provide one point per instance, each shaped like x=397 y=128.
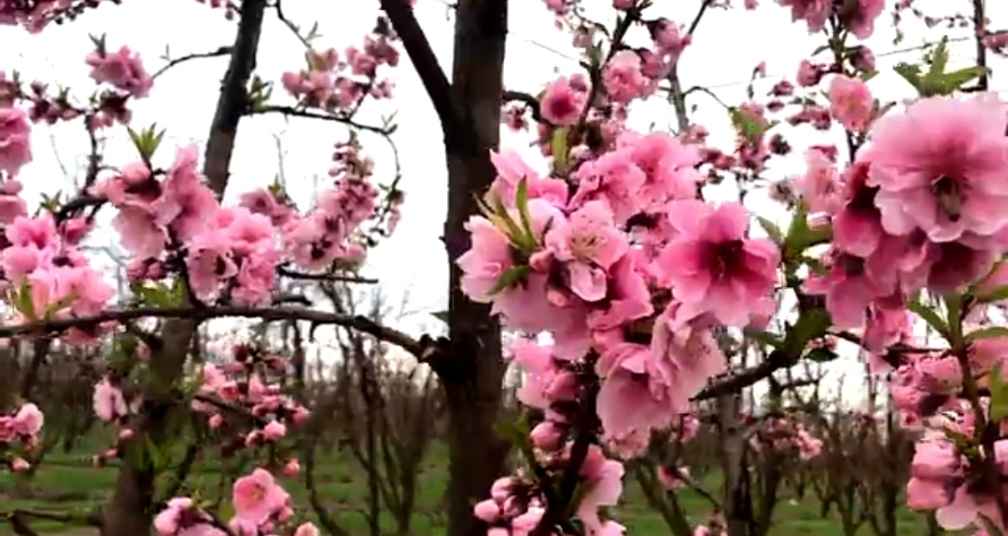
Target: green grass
x=67 y=482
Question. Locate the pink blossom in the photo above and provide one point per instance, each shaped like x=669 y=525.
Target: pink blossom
x=820 y=186
x=940 y=168
x=20 y=465
x=122 y=69
x=561 y=103
x=588 y=244
x=28 y=421
x=167 y=522
x=809 y=74
x=670 y=38
x=669 y=168
x=139 y=232
x=628 y=297
x=274 y=431
x=15 y=141
x=306 y=529
x=615 y=178
x=861 y=17
x=857 y=225
x=210 y=262
x=511 y=170
x=108 y=401
x=848 y=288
x=712 y=266
x=851 y=102
x=623 y=79
x=813 y=12
x=292 y=467
x=603 y=484
x=257 y=497
x=487 y=510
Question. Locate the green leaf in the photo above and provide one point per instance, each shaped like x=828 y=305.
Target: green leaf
x=930 y=316
x=936 y=81
x=810 y=325
x=991 y=332
x=765 y=337
x=771 y=229
x=441 y=315
x=511 y=228
x=801 y=237
x=521 y=201
x=749 y=128
x=999 y=395
x=23 y=301
x=510 y=278
x=821 y=355
x=561 y=150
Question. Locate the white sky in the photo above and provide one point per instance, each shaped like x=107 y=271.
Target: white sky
x=727 y=46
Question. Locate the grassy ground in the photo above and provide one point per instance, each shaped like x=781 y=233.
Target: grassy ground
x=68 y=482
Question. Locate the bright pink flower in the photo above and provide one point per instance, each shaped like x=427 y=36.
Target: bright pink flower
x=848 y=288
x=925 y=494
x=186 y=204
x=168 y=521
x=814 y=12
x=628 y=296
x=257 y=497
x=940 y=167
x=139 y=232
x=712 y=266
x=562 y=104
x=851 y=102
x=623 y=79
x=292 y=467
x=122 y=69
x=210 y=262
x=108 y=401
x=615 y=178
x=670 y=38
x=809 y=74
x=861 y=18
x=15 y=140
x=588 y=244
x=686 y=351
x=511 y=170
x=487 y=510
x=603 y=485
x=669 y=168
x=857 y=225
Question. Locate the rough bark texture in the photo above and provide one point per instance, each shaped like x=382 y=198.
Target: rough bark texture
x=473 y=384
x=469 y=111
x=737 y=499
x=131 y=509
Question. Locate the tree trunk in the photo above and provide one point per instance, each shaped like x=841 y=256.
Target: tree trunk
x=131 y=509
x=737 y=500
x=472 y=382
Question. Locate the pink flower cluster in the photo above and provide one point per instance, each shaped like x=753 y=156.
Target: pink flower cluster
x=44 y=270
x=329 y=233
x=784 y=435
x=21 y=426
x=15 y=141
x=858 y=16
x=245 y=383
x=919 y=209
x=337 y=84
x=122 y=69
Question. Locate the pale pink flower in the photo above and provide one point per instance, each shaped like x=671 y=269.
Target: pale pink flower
x=15 y=140
x=861 y=19
x=848 y=288
x=615 y=178
x=813 y=12
x=257 y=497
x=28 y=421
x=809 y=74
x=292 y=467
x=274 y=431
x=712 y=266
x=168 y=521
x=108 y=401
x=623 y=78
x=306 y=529
x=511 y=170
x=820 y=186
x=603 y=485
x=940 y=168
x=851 y=102
x=20 y=465
x=587 y=244
x=122 y=69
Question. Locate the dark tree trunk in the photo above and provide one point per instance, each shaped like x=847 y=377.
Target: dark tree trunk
x=131 y=509
x=474 y=395
x=737 y=499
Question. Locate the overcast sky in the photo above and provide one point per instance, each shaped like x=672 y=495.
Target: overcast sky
x=726 y=48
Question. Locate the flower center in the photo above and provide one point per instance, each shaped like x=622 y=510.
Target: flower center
x=726 y=256
x=949 y=194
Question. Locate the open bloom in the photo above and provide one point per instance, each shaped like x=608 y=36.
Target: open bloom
x=563 y=102
x=623 y=78
x=588 y=244
x=712 y=266
x=15 y=148
x=122 y=69
x=940 y=168
x=108 y=401
x=257 y=497
x=851 y=102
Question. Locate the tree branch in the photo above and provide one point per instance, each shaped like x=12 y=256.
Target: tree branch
x=744 y=378
x=232 y=101
x=424 y=61
x=327 y=277
x=528 y=100
x=424 y=349
x=294 y=112
x=222 y=51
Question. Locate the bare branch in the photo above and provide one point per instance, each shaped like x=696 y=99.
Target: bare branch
x=294 y=112
x=222 y=51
